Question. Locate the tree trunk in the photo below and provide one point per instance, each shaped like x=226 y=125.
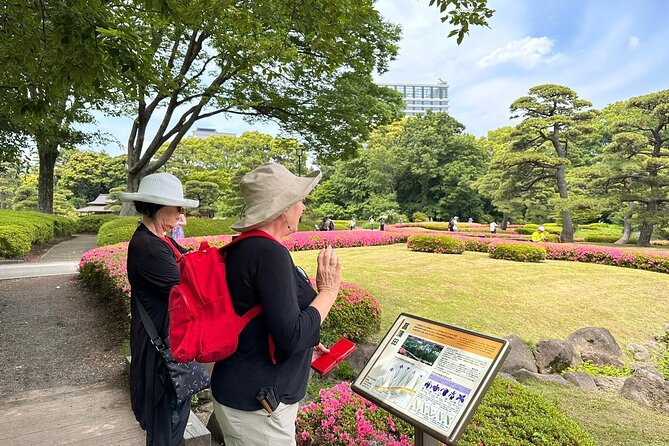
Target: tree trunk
x=627 y=227
x=646 y=231
x=127 y=208
x=505 y=221
x=48 y=153
x=567 y=234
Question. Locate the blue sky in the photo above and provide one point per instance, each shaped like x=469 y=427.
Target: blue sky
x=604 y=50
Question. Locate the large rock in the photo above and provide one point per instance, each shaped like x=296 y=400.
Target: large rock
x=523 y=375
x=639 y=352
x=360 y=356
x=647 y=387
x=613 y=383
x=581 y=379
x=597 y=345
x=520 y=357
x=554 y=356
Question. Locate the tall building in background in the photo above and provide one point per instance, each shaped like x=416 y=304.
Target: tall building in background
x=202 y=132
x=420 y=98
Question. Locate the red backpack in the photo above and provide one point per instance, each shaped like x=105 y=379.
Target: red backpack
x=203 y=324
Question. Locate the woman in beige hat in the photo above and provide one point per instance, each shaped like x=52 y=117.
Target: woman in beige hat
x=261 y=271
x=152 y=271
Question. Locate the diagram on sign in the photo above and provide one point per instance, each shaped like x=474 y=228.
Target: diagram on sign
x=439 y=400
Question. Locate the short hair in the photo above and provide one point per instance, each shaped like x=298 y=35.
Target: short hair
x=148 y=209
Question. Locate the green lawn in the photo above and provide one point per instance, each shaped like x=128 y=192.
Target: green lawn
x=534 y=301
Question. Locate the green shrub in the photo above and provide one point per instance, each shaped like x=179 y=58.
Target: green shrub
x=117 y=230
x=511 y=414
x=93 y=222
x=14 y=241
x=355 y=315
x=518 y=252
x=199 y=227
x=524 y=231
x=600 y=370
x=664 y=363
x=440 y=244
x=36 y=226
x=601 y=238
x=419 y=216
x=552 y=238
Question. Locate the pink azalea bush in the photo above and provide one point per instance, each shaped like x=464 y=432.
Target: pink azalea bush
x=355 y=315
x=343 y=418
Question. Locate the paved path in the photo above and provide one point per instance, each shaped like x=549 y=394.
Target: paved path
x=63 y=379
x=62 y=258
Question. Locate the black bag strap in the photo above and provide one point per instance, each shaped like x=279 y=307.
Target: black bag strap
x=156 y=340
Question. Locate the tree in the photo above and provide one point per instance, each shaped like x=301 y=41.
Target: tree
x=206 y=193
x=545 y=143
x=88 y=174
x=306 y=67
x=635 y=162
x=462 y=14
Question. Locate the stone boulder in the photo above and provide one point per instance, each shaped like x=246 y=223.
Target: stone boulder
x=360 y=356
x=597 y=345
x=520 y=357
x=554 y=356
x=647 y=387
x=581 y=379
x=640 y=353
x=523 y=375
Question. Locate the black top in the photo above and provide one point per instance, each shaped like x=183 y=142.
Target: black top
x=260 y=270
x=152 y=271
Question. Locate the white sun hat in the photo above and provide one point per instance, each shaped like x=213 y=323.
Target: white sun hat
x=160 y=188
x=269 y=190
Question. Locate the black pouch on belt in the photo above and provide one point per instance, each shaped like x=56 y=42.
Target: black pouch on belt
x=269 y=398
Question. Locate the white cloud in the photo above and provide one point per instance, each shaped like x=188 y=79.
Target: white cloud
x=527 y=52
x=633 y=42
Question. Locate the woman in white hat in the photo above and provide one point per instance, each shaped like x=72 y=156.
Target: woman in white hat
x=261 y=271
x=152 y=271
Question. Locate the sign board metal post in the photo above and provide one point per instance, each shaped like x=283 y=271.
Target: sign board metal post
x=432 y=375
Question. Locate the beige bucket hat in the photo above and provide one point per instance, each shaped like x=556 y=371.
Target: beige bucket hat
x=160 y=188
x=269 y=190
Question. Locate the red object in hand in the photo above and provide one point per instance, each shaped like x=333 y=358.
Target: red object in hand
x=327 y=361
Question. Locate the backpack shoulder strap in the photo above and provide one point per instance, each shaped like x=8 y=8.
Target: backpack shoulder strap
x=245 y=235
x=177 y=253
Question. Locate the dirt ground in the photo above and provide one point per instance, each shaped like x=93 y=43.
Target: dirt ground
x=54 y=332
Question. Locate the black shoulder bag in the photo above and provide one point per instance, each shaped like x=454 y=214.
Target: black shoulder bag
x=188 y=378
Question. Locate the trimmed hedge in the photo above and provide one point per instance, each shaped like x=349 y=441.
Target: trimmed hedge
x=93 y=222
x=509 y=414
x=518 y=252
x=33 y=226
x=439 y=244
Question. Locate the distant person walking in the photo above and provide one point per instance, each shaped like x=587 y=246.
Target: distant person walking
x=371 y=222
x=178 y=231
x=493 y=227
x=351 y=224
x=382 y=223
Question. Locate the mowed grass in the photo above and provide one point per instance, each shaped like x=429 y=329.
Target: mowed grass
x=534 y=301
x=498 y=297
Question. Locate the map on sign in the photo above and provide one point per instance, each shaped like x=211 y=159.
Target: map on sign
x=431 y=374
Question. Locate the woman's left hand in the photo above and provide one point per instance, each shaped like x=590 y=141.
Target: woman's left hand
x=318 y=351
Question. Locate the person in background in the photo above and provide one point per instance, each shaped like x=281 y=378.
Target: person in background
x=455 y=224
x=331 y=226
x=539 y=235
x=470 y=220
x=382 y=223
x=351 y=223
x=493 y=227
x=178 y=231
x=152 y=271
x=325 y=226
x=261 y=271
x=371 y=222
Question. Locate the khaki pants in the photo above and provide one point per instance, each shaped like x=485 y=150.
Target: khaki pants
x=257 y=428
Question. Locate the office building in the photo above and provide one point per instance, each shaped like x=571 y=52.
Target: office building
x=203 y=132
x=419 y=98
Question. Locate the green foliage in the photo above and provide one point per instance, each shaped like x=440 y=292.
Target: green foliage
x=600 y=370
x=664 y=363
x=418 y=217
x=35 y=227
x=93 y=222
x=87 y=174
x=518 y=252
x=355 y=315
x=439 y=244
x=15 y=241
x=206 y=192
x=511 y=414
x=199 y=227
x=117 y=230
x=601 y=238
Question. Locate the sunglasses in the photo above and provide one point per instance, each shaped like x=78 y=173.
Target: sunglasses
x=181 y=209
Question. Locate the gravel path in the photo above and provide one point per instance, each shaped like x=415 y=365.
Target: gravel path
x=54 y=332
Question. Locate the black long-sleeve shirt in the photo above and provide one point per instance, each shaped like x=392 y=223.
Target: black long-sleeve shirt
x=261 y=271
x=152 y=271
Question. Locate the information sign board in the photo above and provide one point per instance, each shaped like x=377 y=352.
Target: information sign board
x=431 y=374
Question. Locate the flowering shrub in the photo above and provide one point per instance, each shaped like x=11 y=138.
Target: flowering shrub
x=343 y=418
x=355 y=315
x=301 y=241
x=517 y=252
x=436 y=243
x=509 y=414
